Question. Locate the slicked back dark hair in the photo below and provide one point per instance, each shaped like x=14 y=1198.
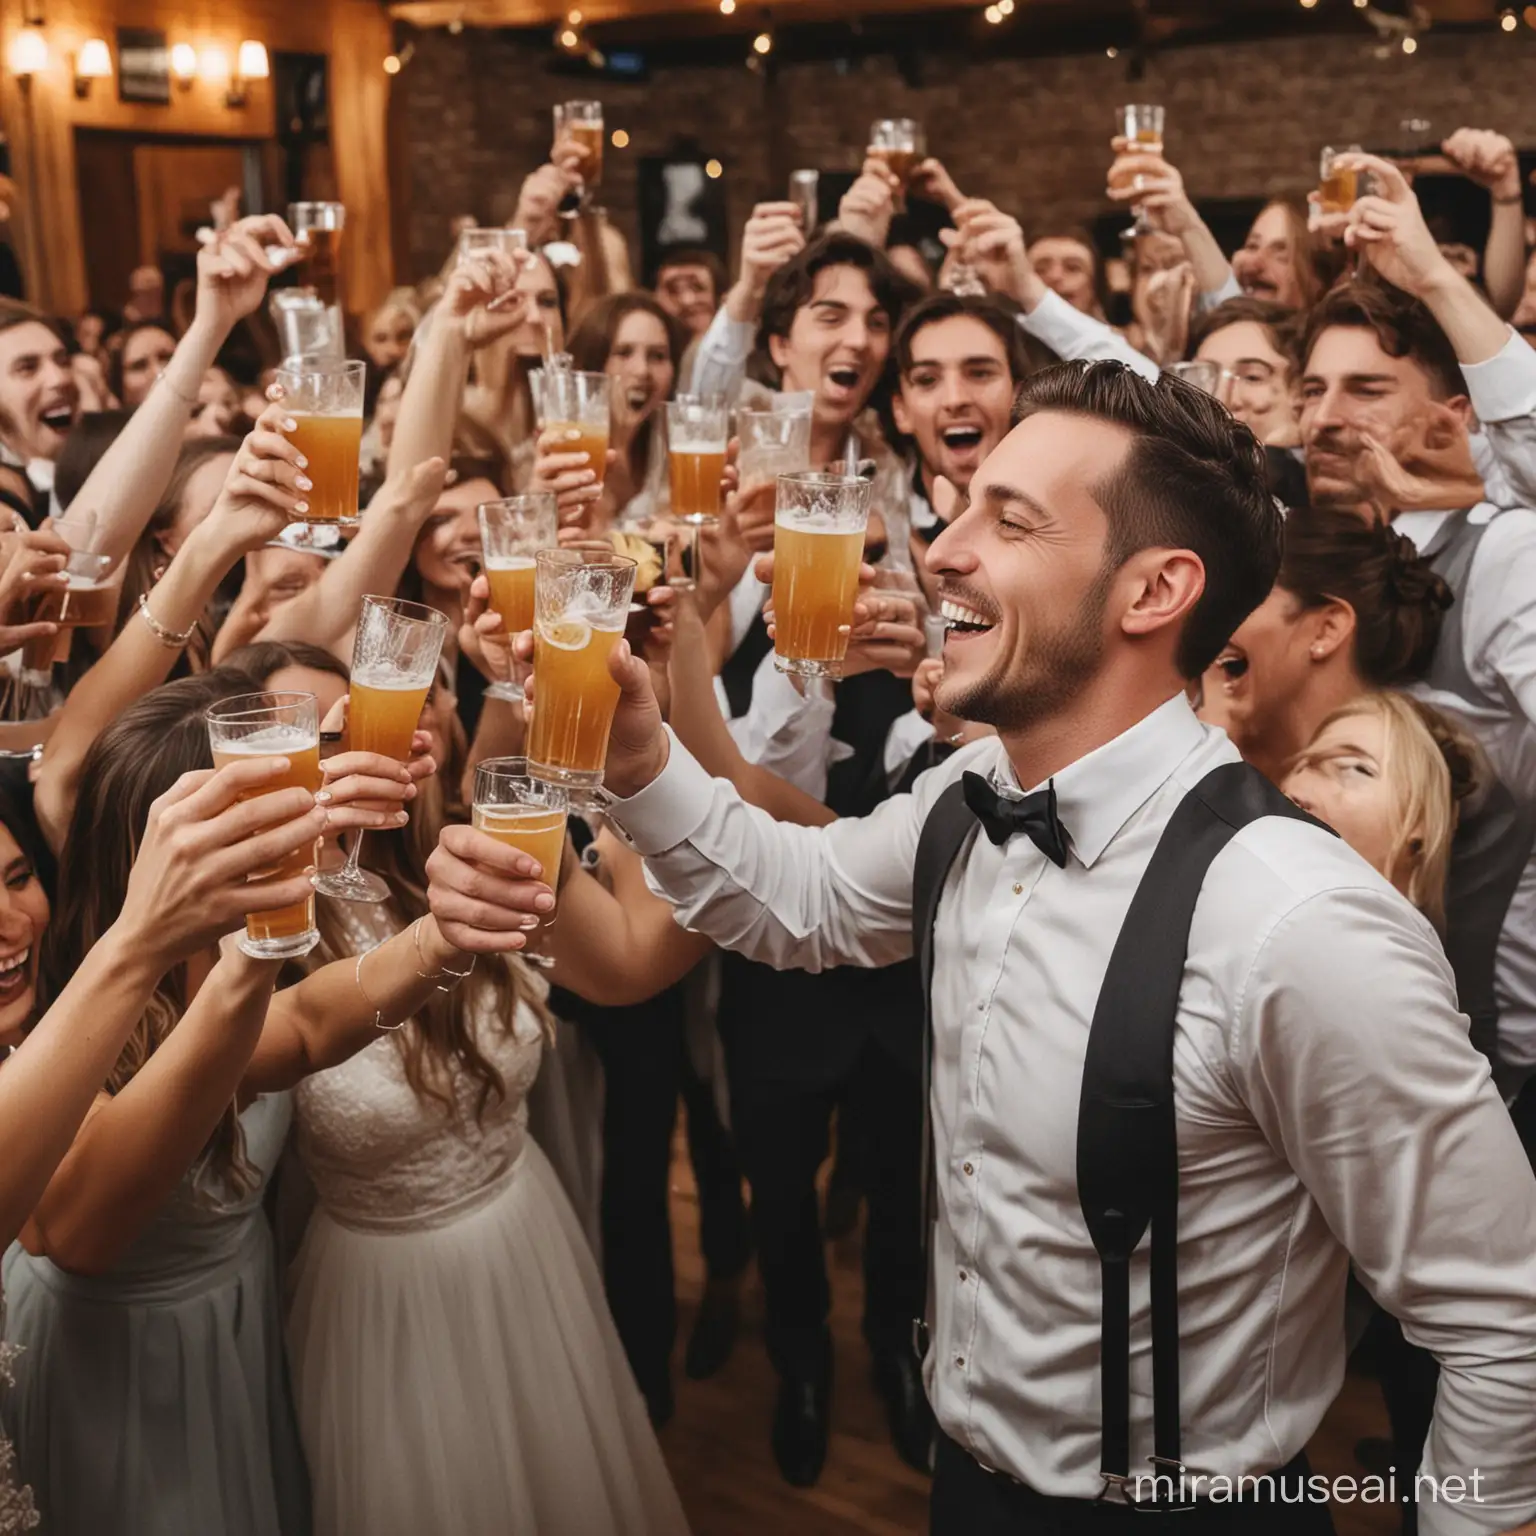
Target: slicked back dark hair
x=995 y=315
x=791 y=287
x=1402 y=325
x=1194 y=478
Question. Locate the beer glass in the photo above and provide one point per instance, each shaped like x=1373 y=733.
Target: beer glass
x=899 y=142
x=473 y=241
x=818 y=546
x=525 y=813
x=581 y=122
x=773 y=443
x=581 y=605
x=317 y=227
x=805 y=194
x=88 y=602
x=1338 y=186
x=274 y=725
x=326 y=400
x=577 y=405
x=1141 y=126
x=307 y=327
x=394 y=661
x=512 y=531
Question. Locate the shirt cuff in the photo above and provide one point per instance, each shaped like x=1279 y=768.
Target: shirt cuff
x=907 y=734
x=670 y=809
x=1504 y=387
x=1205 y=302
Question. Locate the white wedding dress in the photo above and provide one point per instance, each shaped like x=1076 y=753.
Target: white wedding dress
x=454 y=1363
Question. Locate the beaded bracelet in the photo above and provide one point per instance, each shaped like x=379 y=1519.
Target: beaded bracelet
x=169 y=638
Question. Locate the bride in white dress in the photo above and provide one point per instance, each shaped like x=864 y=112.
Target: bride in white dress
x=454 y=1363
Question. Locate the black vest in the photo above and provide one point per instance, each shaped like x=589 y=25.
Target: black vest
x=1127 y=1146
x=1495 y=832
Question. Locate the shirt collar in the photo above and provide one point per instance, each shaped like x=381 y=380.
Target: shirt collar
x=1099 y=793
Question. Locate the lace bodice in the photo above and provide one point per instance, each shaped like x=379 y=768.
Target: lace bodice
x=380 y=1156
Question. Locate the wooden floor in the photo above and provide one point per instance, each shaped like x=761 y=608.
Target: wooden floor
x=717 y=1445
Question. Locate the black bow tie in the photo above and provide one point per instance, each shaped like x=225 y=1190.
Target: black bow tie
x=1002 y=816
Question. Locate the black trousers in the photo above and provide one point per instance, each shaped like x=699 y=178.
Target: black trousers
x=645 y=1068
x=970 y=1501
x=783 y=1135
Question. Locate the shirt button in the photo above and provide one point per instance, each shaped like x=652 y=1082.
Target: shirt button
x=963 y=1277
x=1018 y=890
x=960 y=1361
x=967 y=1169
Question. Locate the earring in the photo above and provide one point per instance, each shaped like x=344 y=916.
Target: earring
x=1317 y=653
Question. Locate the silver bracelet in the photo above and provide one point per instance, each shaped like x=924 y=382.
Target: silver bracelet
x=378 y=1013
x=169 y=638
x=439 y=974
x=164 y=377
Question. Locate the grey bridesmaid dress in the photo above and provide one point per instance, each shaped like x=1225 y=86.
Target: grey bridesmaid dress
x=154 y=1400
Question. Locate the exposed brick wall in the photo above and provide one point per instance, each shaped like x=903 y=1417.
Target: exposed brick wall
x=1243 y=120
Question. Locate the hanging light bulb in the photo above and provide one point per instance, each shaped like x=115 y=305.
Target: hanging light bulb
x=763 y=43
x=1410 y=45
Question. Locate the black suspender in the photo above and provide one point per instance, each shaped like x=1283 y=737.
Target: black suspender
x=1127 y=1147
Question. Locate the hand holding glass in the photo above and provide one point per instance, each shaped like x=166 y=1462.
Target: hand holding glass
x=525 y=813
x=325 y=400
x=818 y=546
x=512 y=532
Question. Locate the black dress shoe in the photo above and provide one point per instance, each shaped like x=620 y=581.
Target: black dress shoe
x=899 y=1381
x=714 y=1329
x=800 y=1427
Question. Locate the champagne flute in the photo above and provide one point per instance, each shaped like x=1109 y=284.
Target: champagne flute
x=525 y=813
x=394 y=660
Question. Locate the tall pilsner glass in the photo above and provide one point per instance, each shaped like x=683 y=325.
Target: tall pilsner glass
x=576 y=405
x=274 y=725
x=394 y=661
x=698 y=431
x=513 y=531
x=317 y=227
x=525 y=813
x=325 y=399
x=581 y=603
x=818 y=545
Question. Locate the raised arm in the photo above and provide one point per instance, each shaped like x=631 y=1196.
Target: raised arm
x=127 y=483
x=264 y=489
x=1489 y=160
x=190 y=883
x=1155 y=185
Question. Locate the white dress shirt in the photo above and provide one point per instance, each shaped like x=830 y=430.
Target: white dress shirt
x=1329 y=1105
x=1072 y=336
x=1503 y=394
x=1498 y=637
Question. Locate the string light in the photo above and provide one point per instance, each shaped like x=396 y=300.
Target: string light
x=391 y=64
x=574 y=18
x=568 y=39
x=993 y=14
x=713 y=169
x=762 y=43
x=1005 y=6
x=727 y=7
x=1308 y=5
x=1410 y=45
x=1111 y=53
x=1509 y=21
x=1360 y=5
x=620 y=139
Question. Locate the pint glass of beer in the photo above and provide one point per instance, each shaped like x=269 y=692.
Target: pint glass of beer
x=1338 y=186
x=274 y=725
x=576 y=404
x=512 y=531
x=306 y=327
x=818 y=545
x=581 y=605
x=581 y=123
x=394 y=662
x=774 y=443
x=317 y=227
x=88 y=602
x=326 y=400
x=525 y=813
x=899 y=142
x=698 y=429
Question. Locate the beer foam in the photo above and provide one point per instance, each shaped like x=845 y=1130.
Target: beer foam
x=587 y=609
x=799 y=522
x=269 y=741
x=383 y=676
x=510 y=563
x=705 y=447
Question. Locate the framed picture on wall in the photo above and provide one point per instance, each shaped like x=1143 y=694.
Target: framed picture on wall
x=143 y=66
x=680 y=204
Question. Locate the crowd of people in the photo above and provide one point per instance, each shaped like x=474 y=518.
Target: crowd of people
x=378 y=1239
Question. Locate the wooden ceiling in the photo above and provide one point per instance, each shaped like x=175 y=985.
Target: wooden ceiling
x=1054 y=23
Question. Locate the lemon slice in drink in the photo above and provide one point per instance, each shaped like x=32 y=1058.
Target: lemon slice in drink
x=568 y=634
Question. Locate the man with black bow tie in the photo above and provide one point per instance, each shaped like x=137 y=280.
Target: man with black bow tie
x=1160 y=998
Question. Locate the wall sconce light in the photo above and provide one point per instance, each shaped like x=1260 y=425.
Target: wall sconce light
x=28 y=53
x=184 y=64
x=213 y=65
x=92 y=63
x=251 y=63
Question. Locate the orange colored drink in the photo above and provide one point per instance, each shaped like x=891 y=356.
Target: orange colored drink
x=532 y=829
x=303 y=754
x=382 y=717
x=815 y=582
x=322 y=263
x=589 y=440
x=1148 y=139
x=1338 y=191
x=574 y=698
x=512 y=591
x=696 y=476
x=331 y=444
x=899 y=161
x=588 y=138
